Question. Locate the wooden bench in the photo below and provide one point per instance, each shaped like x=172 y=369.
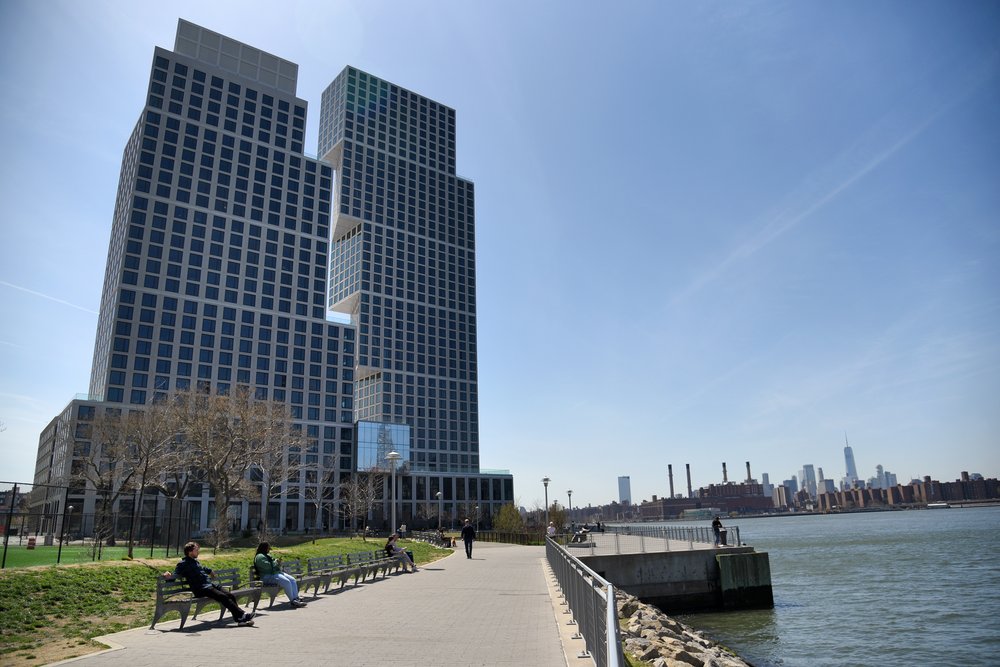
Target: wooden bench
x=374 y=563
x=172 y=594
x=362 y=560
x=306 y=581
x=271 y=590
x=290 y=567
x=229 y=579
x=385 y=562
x=333 y=567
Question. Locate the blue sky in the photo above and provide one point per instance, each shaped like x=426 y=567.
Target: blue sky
x=707 y=231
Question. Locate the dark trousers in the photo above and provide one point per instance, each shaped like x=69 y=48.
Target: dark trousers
x=225 y=598
x=468 y=548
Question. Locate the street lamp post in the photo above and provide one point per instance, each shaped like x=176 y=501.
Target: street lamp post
x=476 y=510
x=569 y=494
x=545 y=481
x=438 y=494
x=393 y=458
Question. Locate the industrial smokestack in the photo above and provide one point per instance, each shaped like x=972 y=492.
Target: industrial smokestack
x=749 y=478
x=670 y=474
x=725 y=476
x=688 y=466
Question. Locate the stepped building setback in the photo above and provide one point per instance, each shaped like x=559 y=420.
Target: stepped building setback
x=230 y=247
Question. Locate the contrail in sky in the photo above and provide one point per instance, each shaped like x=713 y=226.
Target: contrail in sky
x=46 y=296
x=844 y=171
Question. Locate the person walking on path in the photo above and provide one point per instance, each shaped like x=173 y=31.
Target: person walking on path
x=198 y=578
x=717 y=529
x=551 y=530
x=270 y=572
x=468 y=536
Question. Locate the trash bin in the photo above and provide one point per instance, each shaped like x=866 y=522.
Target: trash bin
x=722 y=537
x=31 y=543
x=410 y=554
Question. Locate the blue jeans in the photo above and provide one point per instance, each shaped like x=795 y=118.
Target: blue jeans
x=404 y=558
x=287 y=583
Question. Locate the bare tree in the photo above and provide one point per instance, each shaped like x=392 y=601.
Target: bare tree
x=278 y=445
x=468 y=510
x=231 y=437
x=361 y=492
x=107 y=468
x=428 y=511
x=321 y=487
x=177 y=479
x=149 y=434
x=219 y=432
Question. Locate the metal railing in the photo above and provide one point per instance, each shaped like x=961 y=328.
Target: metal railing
x=703 y=534
x=591 y=600
x=524 y=538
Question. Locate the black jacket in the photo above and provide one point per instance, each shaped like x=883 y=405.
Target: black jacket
x=196 y=574
x=468 y=533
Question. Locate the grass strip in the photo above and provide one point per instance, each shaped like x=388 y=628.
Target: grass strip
x=53 y=612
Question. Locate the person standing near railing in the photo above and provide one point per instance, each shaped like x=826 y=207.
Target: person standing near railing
x=717 y=529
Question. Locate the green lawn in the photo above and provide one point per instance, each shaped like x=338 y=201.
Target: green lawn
x=52 y=613
x=22 y=556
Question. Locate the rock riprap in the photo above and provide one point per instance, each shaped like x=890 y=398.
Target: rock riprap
x=656 y=638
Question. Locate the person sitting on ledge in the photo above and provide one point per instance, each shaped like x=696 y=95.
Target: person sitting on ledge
x=198 y=579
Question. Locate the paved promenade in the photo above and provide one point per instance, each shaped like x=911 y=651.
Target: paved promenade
x=605 y=544
x=495 y=609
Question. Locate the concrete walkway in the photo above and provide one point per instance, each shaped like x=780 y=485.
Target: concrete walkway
x=495 y=609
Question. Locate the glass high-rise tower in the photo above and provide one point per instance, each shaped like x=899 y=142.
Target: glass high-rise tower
x=852 y=469
x=404 y=264
x=229 y=246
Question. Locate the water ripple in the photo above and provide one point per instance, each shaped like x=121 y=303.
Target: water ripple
x=886 y=588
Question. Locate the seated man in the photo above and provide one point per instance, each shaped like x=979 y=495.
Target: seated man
x=198 y=578
x=393 y=550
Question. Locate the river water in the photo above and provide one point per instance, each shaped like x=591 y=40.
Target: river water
x=915 y=587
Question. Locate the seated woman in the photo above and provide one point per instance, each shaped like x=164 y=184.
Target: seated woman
x=269 y=571
x=393 y=550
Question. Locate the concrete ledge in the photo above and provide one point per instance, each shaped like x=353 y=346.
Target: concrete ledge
x=677 y=581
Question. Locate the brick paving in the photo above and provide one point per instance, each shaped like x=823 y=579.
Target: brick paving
x=495 y=609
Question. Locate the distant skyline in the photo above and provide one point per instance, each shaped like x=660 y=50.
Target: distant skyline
x=706 y=231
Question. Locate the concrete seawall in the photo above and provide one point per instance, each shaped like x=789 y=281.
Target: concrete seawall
x=679 y=576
